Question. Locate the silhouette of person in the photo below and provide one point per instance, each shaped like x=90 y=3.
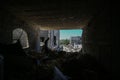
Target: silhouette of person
x=45 y=49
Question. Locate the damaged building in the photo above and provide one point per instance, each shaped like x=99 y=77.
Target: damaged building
x=54 y=36
x=40 y=19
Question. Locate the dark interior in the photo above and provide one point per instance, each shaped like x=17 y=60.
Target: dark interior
x=94 y=62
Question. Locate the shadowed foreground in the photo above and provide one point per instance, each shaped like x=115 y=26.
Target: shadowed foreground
x=19 y=65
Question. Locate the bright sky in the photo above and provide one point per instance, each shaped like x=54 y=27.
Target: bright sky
x=66 y=34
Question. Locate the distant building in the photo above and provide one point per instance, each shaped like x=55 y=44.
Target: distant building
x=54 y=37
x=75 y=40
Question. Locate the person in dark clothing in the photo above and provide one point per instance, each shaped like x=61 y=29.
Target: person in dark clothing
x=46 y=41
x=45 y=48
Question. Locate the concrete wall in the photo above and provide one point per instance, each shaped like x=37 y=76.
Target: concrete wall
x=51 y=34
x=57 y=34
x=43 y=33
x=98 y=39
x=9 y=22
x=6 y=27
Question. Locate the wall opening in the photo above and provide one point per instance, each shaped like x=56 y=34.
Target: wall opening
x=53 y=35
x=22 y=36
x=71 y=40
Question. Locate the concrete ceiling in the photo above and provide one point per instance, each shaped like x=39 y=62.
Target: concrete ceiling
x=58 y=14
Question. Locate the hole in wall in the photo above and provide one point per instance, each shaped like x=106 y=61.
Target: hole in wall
x=20 y=34
x=71 y=40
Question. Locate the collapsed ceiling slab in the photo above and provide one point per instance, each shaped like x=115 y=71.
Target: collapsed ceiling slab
x=54 y=14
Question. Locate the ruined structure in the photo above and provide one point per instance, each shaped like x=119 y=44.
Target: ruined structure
x=94 y=17
x=54 y=36
x=75 y=40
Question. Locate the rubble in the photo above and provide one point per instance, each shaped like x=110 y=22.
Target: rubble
x=70 y=48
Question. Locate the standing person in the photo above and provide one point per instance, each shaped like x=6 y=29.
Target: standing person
x=45 y=49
